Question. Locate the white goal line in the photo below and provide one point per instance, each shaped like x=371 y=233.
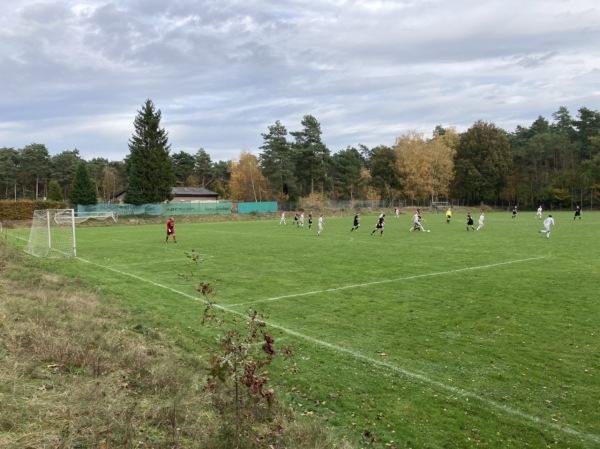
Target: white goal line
x=386 y=281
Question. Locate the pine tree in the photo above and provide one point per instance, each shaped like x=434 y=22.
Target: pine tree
x=312 y=157
x=84 y=189
x=150 y=174
x=277 y=162
x=54 y=193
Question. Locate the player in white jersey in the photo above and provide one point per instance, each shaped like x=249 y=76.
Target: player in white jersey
x=320 y=224
x=417 y=222
x=481 y=220
x=301 y=223
x=538 y=215
x=548 y=222
x=282 y=221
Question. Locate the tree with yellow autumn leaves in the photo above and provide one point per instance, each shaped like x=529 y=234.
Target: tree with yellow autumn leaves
x=247 y=181
x=425 y=165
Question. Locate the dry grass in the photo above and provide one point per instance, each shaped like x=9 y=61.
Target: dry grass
x=74 y=374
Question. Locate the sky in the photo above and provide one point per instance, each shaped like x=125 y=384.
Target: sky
x=75 y=73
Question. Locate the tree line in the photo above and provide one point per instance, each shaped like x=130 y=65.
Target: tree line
x=547 y=162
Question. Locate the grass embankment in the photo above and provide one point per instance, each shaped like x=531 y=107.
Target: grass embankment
x=77 y=373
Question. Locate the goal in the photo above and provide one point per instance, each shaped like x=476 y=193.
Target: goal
x=52 y=234
x=437 y=205
x=80 y=217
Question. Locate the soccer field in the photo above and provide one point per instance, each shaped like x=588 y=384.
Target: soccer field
x=424 y=340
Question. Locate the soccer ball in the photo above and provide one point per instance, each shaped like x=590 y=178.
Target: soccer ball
x=428 y=230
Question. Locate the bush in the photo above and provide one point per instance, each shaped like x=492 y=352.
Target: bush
x=23 y=209
x=314 y=201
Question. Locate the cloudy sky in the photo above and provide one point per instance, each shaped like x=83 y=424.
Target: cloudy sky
x=74 y=73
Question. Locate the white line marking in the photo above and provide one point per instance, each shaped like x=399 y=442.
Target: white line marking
x=148 y=262
x=385 y=281
x=458 y=391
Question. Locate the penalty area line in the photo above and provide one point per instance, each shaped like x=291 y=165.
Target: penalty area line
x=386 y=365
x=387 y=281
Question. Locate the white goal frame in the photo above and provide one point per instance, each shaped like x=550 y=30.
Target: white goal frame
x=52 y=234
x=53 y=231
x=439 y=205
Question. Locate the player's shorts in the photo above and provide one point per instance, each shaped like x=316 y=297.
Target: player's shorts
x=169 y=231
x=379 y=226
x=577 y=213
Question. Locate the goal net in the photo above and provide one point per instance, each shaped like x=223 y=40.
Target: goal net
x=52 y=234
x=80 y=217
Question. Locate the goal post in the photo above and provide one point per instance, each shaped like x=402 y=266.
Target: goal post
x=52 y=234
x=437 y=205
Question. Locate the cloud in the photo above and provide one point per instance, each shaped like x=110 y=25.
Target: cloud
x=75 y=72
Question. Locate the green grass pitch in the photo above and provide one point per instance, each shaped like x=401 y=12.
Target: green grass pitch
x=425 y=340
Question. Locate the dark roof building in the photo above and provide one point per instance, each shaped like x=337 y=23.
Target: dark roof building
x=180 y=195
x=189 y=194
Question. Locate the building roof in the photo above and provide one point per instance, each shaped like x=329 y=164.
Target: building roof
x=193 y=191
x=182 y=192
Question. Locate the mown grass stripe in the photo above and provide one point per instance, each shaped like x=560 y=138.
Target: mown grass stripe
x=420 y=377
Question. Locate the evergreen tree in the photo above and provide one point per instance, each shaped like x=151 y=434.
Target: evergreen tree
x=183 y=167
x=150 y=175
x=203 y=168
x=346 y=172
x=587 y=126
x=312 y=157
x=563 y=123
x=34 y=167
x=54 y=193
x=222 y=177
x=84 y=188
x=277 y=163
x=384 y=173
x=9 y=172
x=63 y=167
x=96 y=168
